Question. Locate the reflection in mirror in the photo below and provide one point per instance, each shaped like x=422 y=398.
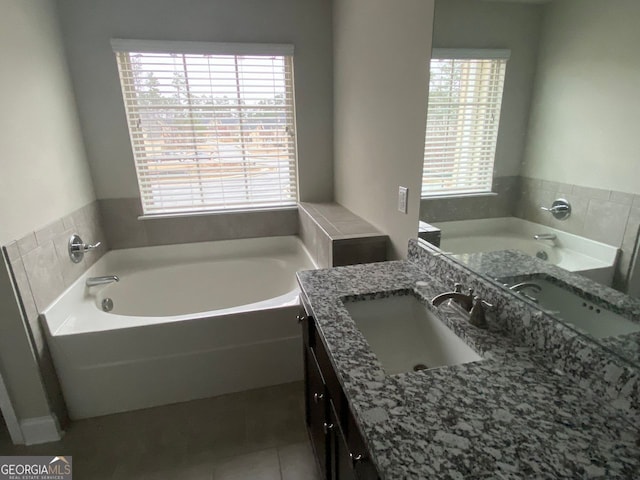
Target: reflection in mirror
x=561 y=124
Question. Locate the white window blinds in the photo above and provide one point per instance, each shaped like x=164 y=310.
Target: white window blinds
x=465 y=96
x=212 y=126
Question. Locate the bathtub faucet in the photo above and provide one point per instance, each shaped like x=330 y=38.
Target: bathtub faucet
x=95 y=281
x=545 y=236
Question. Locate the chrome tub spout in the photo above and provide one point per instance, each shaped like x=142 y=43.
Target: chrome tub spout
x=95 y=281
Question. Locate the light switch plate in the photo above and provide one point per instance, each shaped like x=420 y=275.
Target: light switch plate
x=402 y=199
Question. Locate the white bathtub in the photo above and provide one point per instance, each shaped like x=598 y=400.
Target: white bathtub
x=189 y=321
x=571 y=252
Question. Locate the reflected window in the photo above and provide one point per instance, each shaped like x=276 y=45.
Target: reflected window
x=465 y=97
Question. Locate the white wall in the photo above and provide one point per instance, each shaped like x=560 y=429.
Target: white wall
x=89 y=25
x=43 y=170
x=515 y=26
x=381 y=57
x=584 y=120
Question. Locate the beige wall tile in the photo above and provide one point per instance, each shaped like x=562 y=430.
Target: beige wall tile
x=70 y=271
x=594 y=193
x=27 y=243
x=308 y=232
x=621 y=197
x=168 y=231
x=629 y=246
x=606 y=221
x=361 y=250
x=13 y=252
x=325 y=251
x=123 y=229
x=24 y=290
x=49 y=232
x=44 y=273
x=120 y=222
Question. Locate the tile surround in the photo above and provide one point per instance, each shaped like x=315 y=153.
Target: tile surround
x=125 y=230
x=603 y=215
x=42 y=255
x=606 y=216
x=335 y=236
x=502 y=204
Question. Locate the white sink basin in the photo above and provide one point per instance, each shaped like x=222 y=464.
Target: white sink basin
x=406 y=336
x=573 y=309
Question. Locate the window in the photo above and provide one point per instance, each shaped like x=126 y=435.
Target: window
x=212 y=126
x=465 y=95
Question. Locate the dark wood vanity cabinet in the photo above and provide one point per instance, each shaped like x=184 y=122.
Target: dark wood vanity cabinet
x=337 y=443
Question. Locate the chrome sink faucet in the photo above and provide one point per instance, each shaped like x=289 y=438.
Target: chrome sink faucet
x=95 y=281
x=470 y=303
x=464 y=300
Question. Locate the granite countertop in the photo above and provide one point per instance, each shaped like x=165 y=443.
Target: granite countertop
x=518 y=266
x=506 y=417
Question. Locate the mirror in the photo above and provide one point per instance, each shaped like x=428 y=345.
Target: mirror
x=567 y=139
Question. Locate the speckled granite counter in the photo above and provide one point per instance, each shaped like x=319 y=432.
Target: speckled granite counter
x=509 y=416
x=518 y=266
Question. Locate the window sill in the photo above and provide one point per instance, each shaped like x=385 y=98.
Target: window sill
x=459 y=195
x=158 y=216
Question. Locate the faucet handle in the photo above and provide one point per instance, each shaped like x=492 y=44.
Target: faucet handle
x=485 y=304
x=457 y=287
x=477 y=313
x=77 y=248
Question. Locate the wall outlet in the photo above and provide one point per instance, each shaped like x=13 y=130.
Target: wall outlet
x=402 y=199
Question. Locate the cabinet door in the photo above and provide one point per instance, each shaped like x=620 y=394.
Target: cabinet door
x=341 y=462
x=359 y=459
x=316 y=413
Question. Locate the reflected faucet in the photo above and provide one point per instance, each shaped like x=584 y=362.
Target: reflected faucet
x=95 y=281
x=520 y=287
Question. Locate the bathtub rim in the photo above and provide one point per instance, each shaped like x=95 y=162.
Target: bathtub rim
x=87 y=306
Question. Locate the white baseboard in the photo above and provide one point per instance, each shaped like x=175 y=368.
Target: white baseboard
x=40 y=430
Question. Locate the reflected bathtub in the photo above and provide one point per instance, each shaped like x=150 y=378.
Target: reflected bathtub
x=593 y=259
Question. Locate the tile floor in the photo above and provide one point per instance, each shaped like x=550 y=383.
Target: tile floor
x=254 y=435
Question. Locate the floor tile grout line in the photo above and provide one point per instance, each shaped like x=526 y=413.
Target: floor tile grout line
x=279 y=463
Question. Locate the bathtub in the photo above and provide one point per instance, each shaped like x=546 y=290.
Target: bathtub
x=188 y=321
x=577 y=254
